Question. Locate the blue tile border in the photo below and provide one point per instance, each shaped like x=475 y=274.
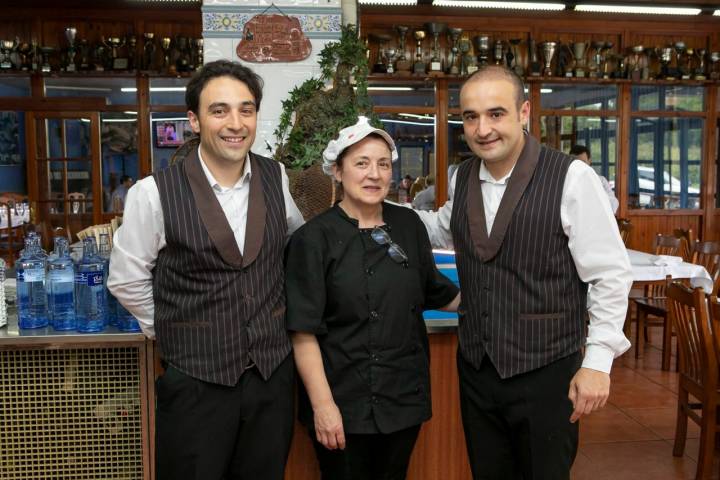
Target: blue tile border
x=317 y=22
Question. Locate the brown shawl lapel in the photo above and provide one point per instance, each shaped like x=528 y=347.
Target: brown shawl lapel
x=487 y=246
x=214 y=218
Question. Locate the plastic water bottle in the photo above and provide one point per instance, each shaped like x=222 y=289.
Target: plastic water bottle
x=90 y=305
x=61 y=287
x=30 y=276
x=125 y=320
x=48 y=284
x=104 y=253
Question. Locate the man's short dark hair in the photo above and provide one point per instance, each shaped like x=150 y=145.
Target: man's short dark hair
x=222 y=68
x=576 y=150
x=500 y=71
x=125 y=178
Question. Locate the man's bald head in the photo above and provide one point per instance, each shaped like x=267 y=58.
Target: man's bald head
x=499 y=72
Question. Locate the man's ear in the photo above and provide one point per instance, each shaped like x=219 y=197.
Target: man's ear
x=194 y=122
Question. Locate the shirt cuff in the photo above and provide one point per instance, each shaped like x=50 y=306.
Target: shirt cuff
x=598 y=358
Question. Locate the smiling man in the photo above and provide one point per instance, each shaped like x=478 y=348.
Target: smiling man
x=531 y=230
x=199 y=262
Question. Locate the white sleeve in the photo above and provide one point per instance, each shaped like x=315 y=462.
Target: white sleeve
x=601 y=260
x=135 y=249
x=295 y=219
x=614 y=203
x=437 y=222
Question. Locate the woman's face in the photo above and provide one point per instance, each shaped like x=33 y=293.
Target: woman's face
x=365 y=172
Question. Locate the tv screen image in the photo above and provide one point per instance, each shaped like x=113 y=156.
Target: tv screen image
x=172 y=133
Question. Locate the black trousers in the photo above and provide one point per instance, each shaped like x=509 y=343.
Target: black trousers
x=519 y=427
x=376 y=456
x=213 y=432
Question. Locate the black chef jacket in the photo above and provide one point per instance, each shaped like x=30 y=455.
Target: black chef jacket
x=366 y=311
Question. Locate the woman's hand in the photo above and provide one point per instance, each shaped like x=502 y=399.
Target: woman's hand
x=329 y=426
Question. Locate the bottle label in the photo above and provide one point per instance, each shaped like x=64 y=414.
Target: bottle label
x=91 y=279
x=31 y=275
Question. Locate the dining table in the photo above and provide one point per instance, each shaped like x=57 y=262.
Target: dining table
x=649 y=268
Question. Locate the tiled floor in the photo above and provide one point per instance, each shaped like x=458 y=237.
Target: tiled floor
x=632 y=437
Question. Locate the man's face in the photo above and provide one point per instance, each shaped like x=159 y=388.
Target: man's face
x=492 y=123
x=226 y=120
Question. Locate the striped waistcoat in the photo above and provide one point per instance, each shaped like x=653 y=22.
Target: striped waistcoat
x=523 y=303
x=217 y=311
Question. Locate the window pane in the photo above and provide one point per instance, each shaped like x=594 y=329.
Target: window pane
x=15 y=87
x=674 y=98
x=119 y=149
x=414 y=136
x=665 y=162
x=115 y=90
x=12 y=152
x=405 y=95
x=598 y=134
x=168 y=91
x=169 y=130
x=578 y=97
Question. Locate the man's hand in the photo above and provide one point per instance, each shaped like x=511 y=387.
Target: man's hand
x=329 y=427
x=589 y=391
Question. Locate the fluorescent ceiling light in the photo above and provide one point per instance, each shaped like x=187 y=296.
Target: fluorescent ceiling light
x=546 y=90
x=118 y=120
x=154 y=89
x=167 y=119
x=77 y=89
x=499 y=5
x=637 y=9
x=128 y=112
x=388 y=2
x=717 y=13
x=415 y=115
x=405 y=122
x=390 y=89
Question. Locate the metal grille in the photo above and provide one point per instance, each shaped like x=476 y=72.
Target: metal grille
x=70 y=414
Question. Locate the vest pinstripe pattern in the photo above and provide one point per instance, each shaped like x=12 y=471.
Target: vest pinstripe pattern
x=214 y=319
x=525 y=306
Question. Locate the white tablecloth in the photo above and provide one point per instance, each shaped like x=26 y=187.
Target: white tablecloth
x=645 y=268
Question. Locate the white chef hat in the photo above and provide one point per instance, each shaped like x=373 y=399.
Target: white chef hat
x=350 y=136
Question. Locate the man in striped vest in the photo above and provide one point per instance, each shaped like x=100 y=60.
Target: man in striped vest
x=199 y=262
x=531 y=229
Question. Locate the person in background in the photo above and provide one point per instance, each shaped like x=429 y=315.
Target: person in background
x=583 y=153
x=120 y=193
x=170 y=134
x=531 y=229
x=199 y=262
x=404 y=189
x=425 y=200
x=358 y=278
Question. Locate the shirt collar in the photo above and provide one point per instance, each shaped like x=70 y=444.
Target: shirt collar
x=245 y=177
x=486 y=176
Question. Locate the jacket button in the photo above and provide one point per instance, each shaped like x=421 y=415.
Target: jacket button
x=374 y=315
x=369 y=272
x=374 y=399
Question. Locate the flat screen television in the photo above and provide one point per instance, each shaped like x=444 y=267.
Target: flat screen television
x=172 y=133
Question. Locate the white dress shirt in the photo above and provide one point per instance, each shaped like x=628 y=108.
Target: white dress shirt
x=596 y=247
x=614 y=203
x=138 y=241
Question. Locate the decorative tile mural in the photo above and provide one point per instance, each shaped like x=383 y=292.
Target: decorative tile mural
x=316 y=22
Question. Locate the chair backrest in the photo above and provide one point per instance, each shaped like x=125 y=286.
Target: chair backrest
x=687 y=242
x=707 y=254
x=666 y=245
x=714 y=311
x=76 y=202
x=625 y=226
x=689 y=314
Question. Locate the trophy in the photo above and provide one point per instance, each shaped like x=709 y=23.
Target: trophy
x=595 y=55
x=84 y=49
x=534 y=62
x=402 y=65
x=516 y=62
x=132 y=52
x=165 y=44
x=467 y=61
x=182 y=45
x=199 y=53
x=148 y=50
x=578 y=50
x=435 y=61
x=665 y=56
x=380 y=65
x=498 y=52
x=101 y=59
x=636 y=63
x=681 y=57
x=45 y=52
x=391 y=54
x=25 y=53
x=700 y=68
x=34 y=55
x=454 y=34
x=114 y=43
x=70 y=34
x=604 y=55
x=548 y=52
x=482 y=45
x=6 y=48
x=714 y=59
x=419 y=66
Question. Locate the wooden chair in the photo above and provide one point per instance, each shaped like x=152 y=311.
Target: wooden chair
x=687 y=242
x=707 y=254
x=714 y=310
x=652 y=308
x=76 y=202
x=625 y=226
x=698 y=372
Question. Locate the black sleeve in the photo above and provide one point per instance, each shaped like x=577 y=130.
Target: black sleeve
x=439 y=290
x=305 y=281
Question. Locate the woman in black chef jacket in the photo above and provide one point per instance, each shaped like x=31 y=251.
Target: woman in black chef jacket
x=358 y=279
